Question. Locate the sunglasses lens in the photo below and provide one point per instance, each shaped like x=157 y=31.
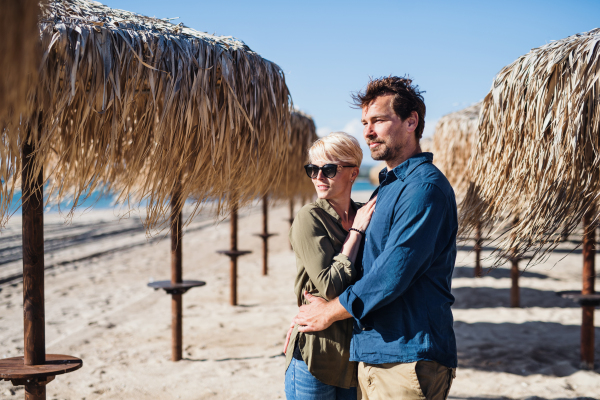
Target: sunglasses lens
x=311 y=170
x=329 y=170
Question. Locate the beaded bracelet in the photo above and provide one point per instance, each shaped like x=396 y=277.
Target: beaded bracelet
x=357 y=230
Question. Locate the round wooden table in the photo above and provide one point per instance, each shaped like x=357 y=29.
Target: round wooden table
x=14 y=369
x=175 y=288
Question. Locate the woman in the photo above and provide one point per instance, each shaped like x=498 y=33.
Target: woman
x=326 y=236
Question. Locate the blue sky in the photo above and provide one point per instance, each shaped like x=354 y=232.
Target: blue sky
x=328 y=49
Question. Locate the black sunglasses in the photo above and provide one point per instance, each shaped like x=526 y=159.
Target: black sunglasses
x=329 y=170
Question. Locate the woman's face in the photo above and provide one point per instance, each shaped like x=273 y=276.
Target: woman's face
x=338 y=186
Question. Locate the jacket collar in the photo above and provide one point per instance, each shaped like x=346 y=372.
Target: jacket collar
x=405 y=169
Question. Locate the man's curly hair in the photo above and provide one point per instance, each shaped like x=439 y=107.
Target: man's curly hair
x=407 y=98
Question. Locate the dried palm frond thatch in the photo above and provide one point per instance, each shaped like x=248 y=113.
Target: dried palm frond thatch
x=537 y=155
x=19 y=54
x=453 y=141
x=134 y=104
x=295 y=184
x=19 y=60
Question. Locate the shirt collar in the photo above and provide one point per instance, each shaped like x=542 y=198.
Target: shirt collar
x=324 y=204
x=405 y=169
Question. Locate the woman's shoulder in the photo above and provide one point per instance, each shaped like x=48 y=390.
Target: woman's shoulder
x=309 y=213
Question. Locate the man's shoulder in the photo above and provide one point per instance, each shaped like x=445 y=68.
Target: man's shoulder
x=428 y=177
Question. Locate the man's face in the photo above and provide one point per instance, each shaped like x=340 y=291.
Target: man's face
x=385 y=133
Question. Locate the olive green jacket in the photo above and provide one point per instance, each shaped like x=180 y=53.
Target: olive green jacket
x=317 y=237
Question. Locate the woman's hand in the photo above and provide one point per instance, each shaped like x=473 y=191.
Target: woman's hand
x=287 y=338
x=363 y=215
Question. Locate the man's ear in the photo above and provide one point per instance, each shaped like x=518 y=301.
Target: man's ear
x=413 y=121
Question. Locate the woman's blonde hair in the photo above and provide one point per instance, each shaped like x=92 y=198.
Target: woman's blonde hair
x=337 y=146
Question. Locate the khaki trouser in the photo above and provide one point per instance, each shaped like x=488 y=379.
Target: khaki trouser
x=421 y=380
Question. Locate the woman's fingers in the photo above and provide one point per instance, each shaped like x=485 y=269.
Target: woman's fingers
x=287 y=338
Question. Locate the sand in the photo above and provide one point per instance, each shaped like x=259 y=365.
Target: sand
x=99 y=308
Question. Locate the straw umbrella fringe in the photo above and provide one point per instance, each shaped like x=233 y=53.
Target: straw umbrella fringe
x=453 y=142
x=537 y=155
x=19 y=59
x=18 y=54
x=295 y=185
x=124 y=96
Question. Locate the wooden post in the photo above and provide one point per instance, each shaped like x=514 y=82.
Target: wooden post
x=515 y=295
x=265 y=234
x=477 y=249
x=233 y=261
x=33 y=267
x=291 y=217
x=589 y=275
x=176 y=275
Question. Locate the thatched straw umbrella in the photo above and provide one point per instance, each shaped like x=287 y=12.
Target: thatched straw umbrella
x=121 y=96
x=130 y=93
x=453 y=143
x=294 y=185
x=19 y=54
x=453 y=140
x=19 y=60
x=538 y=155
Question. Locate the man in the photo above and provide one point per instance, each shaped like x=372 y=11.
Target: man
x=403 y=335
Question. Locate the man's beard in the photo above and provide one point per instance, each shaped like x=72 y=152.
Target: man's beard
x=384 y=153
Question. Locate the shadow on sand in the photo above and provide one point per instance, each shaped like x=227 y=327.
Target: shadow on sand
x=468 y=271
x=510 y=398
x=529 y=348
x=488 y=297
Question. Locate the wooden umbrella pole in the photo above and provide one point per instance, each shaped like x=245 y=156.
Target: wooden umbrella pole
x=33 y=268
x=515 y=295
x=589 y=275
x=477 y=249
x=176 y=275
x=291 y=217
x=265 y=237
x=233 y=260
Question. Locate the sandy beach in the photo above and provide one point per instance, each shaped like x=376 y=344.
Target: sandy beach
x=99 y=308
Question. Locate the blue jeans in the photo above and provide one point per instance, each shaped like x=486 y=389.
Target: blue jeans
x=301 y=385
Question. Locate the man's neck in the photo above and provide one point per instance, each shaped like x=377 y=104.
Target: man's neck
x=403 y=156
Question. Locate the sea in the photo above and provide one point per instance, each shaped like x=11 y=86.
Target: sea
x=101 y=200
x=363 y=185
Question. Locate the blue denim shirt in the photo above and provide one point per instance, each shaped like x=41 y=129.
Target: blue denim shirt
x=401 y=305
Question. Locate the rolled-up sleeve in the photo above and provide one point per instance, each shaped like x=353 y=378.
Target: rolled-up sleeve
x=331 y=272
x=419 y=214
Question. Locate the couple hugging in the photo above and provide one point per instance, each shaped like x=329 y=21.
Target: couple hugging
x=373 y=281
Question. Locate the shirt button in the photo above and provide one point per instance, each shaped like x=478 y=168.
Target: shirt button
x=364 y=329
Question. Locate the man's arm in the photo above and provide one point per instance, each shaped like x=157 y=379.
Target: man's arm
x=420 y=214
x=418 y=218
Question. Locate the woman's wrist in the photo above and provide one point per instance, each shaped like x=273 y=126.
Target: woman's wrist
x=362 y=233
